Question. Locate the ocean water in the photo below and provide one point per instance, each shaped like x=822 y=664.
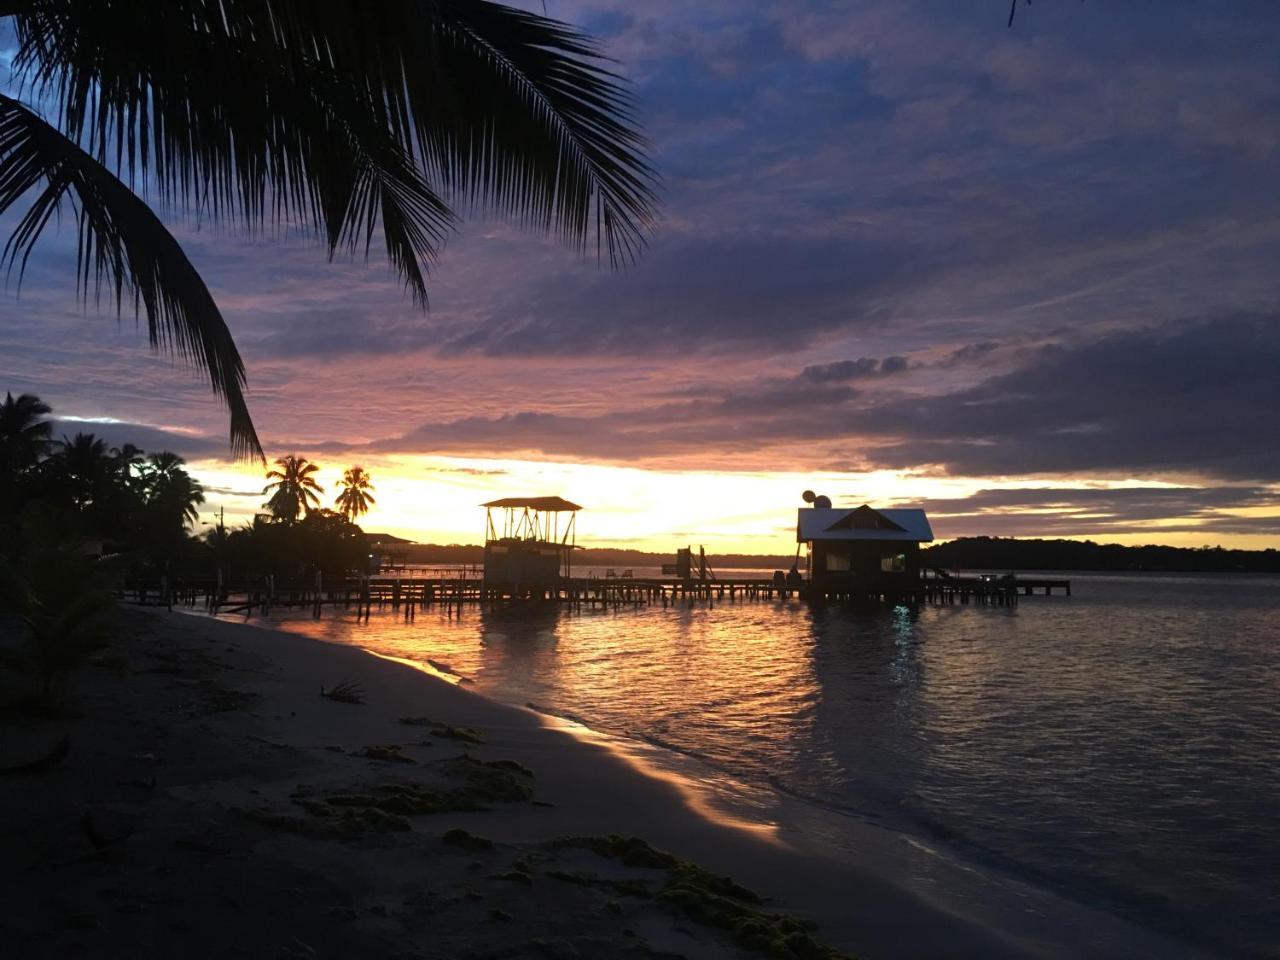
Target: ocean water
x=1121 y=746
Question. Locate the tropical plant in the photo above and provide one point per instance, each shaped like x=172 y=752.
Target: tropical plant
x=295 y=489
x=81 y=467
x=357 y=493
x=24 y=433
x=170 y=492
x=347 y=118
x=59 y=595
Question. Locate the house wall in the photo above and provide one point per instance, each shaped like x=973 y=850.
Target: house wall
x=842 y=560
x=521 y=563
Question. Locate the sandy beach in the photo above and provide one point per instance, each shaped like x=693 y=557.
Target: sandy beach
x=213 y=803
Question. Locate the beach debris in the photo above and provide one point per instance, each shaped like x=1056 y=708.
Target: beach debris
x=42 y=763
x=457 y=837
x=389 y=752
x=445 y=730
x=348 y=691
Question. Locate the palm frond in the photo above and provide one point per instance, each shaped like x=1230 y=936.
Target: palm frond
x=122 y=247
x=250 y=106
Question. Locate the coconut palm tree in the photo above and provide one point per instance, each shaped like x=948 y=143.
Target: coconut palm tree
x=352 y=119
x=295 y=489
x=81 y=467
x=24 y=433
x=170 y=490
x=357 y=493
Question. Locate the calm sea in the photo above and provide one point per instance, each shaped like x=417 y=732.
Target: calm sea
x=1122 y=746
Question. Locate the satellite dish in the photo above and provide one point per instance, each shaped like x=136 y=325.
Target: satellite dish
x=822 y=503
x=807 y=496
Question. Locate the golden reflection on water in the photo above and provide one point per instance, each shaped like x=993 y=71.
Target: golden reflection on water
x=707 y=799
x=703 y=798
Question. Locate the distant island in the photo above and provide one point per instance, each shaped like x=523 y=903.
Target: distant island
x=1008 y=553
x=967 y=553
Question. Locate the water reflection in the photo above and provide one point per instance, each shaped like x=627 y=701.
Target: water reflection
x=1121 y=742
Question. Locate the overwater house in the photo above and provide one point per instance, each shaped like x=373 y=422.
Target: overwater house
x=528 y=544
x=863 y=550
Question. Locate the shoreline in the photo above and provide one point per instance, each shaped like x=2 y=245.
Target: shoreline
x=937 y=871
x=896 y=897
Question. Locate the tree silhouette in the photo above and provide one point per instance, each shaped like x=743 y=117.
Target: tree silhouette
x=350 y=119
x=24 y=433
x=357 y=493
x=295 y=489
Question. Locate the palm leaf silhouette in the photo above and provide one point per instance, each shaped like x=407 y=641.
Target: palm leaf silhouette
x=342 y=118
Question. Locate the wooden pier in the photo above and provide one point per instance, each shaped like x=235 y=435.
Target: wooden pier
x=408 y=594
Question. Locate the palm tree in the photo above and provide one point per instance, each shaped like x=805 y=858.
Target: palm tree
x=170 y=490
x=295 y=488
x=24 y=433
x=357 y=493
x=348 y=118
x=82 y=467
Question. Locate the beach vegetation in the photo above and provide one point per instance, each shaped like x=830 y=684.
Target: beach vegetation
x=118 y=501
x=457 y=837
x=706 y=898
x=388 y=752
x=60 y=596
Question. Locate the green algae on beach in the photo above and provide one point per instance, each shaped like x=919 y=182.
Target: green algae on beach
x=706 y=898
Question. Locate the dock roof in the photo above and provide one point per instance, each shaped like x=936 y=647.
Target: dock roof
x=862 y=523
x=547 y=504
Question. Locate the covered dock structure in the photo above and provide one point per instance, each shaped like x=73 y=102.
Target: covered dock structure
x=528 y=546
x=863 y=553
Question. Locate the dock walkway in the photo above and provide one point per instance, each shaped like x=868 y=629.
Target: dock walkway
x=409 y=594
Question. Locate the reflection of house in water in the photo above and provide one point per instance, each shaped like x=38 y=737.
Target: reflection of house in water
x=528 y=547
x=863 y=550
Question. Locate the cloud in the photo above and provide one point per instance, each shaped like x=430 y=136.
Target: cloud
x=842 y=371
x=151 y=439
x=1070 y=511
x=1197 y=398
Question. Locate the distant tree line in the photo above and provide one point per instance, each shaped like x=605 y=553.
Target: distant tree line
x=1004 y=553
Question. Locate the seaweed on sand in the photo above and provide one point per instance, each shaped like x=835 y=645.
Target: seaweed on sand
x=439 y=729
x=457 y=837
x=389 y=752
x=348 y=691
x=385 y=806
x=709 y=899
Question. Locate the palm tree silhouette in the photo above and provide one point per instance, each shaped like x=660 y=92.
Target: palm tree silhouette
x=357 y=493
x=170 y=489
x=295 y=488
x=24 y=433
x=350 y=119
x=82 y=467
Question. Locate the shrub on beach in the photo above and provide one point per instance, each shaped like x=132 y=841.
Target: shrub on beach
x=58 y=594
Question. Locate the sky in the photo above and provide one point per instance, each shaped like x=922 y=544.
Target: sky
x=1025 y=278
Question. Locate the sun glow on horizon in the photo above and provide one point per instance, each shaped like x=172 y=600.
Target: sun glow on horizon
x=436 y=499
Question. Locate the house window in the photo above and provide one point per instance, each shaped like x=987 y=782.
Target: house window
x=838 y=563
x=894 y=564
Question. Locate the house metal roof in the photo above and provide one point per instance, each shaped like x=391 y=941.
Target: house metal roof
x=815 y=523
x=548 y=504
